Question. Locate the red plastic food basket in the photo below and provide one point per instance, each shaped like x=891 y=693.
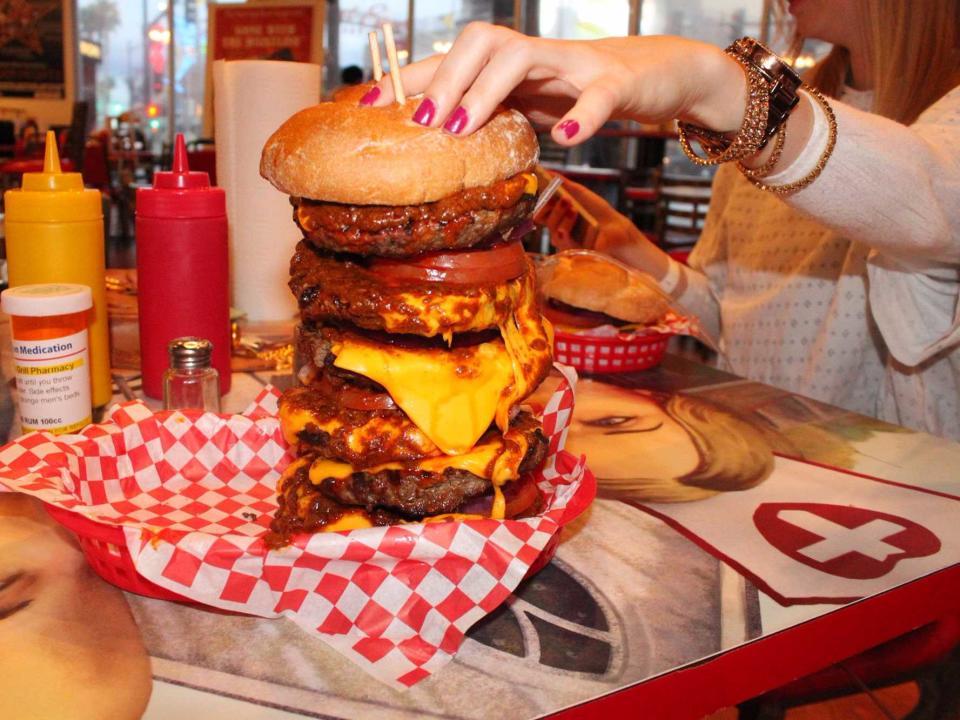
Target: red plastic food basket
x=591 y=354
x=105 y=548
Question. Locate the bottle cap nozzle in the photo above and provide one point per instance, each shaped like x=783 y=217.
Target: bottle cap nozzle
x=52 y=176
x=51 y=158
x=180 y=177
x=180 y=163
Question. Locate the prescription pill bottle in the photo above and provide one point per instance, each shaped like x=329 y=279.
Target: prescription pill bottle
x=51 y=354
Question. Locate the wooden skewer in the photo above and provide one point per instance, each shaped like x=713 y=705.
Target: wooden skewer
x=394 y=63
x=375 y=55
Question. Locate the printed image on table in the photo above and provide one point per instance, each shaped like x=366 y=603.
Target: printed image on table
x=68 y=643
x=597 y=617
x=645 y=446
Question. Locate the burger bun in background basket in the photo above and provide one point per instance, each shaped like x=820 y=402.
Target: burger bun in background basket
x=647 y=317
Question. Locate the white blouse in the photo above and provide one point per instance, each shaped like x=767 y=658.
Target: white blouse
x=784 y=284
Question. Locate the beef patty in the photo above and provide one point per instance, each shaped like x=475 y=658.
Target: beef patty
x=412 y=493
x=460 y=220
x=344 y=289
x=301 y=508
x=304 y=508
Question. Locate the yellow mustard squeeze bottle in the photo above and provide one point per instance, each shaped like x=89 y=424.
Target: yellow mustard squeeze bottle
x=55 y=235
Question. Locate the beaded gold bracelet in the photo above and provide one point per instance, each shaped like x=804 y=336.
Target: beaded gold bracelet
x=793 y=187
x=749 y=138
x=771 y=163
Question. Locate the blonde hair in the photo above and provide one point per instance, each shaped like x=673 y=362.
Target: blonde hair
x=733 y=454
x=913 y=52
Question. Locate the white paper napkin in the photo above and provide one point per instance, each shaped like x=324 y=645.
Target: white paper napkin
x=252 y=98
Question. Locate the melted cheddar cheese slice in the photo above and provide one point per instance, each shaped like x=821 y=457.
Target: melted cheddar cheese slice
x=451 y=395
x=531 y=186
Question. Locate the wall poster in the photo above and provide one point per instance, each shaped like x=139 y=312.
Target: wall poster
x=31 y=49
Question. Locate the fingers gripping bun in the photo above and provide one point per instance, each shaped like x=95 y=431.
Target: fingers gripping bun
x=348 y=153
x=592 y=283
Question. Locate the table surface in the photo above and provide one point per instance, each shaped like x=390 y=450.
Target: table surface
x=630 y=611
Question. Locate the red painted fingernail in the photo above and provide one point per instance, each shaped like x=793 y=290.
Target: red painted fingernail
x=425 y=112
x=569 y=128
x=456 y=122
x=371 y=96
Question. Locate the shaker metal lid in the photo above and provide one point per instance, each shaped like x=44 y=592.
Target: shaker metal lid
x=189 y=353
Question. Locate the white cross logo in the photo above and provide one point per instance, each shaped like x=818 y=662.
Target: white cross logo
x=838 y=540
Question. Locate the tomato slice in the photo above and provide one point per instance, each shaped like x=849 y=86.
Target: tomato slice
x=521 y=496
x=459 y=267
x=360 y=399
x=561 y=317
x=357 y=398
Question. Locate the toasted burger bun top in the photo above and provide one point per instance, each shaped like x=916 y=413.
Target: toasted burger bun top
x=592 y=283
x=347 y=153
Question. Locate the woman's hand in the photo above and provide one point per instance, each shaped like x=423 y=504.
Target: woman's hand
x=576 y=85
x=614 y=234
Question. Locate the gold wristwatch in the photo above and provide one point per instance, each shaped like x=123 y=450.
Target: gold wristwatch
x=782 y=85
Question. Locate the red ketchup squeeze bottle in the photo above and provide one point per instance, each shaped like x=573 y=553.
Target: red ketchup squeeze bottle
x=182 y=269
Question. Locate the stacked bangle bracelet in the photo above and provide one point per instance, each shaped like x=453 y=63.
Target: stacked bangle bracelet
x=772 y=92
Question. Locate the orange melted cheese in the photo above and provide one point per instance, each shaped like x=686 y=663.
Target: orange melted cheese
x=497 y=460
x=294 y=420
x=454 y=395
x=531 y=186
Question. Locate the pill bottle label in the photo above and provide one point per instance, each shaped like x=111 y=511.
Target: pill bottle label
x=53 y=383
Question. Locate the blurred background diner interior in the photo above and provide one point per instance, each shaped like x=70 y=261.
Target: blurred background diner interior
x=116 y=79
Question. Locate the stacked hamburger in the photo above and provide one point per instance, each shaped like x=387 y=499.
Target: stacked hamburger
x=419 y=319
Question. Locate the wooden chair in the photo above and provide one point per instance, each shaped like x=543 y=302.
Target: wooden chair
x=551 y=152
x=97 y=175
x=682 y=204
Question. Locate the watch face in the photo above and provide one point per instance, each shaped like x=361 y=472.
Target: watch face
x=767 y=62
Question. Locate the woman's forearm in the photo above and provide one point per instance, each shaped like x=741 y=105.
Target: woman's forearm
x=892 y=187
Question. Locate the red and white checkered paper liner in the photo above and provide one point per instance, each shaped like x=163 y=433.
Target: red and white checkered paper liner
x=194 y=494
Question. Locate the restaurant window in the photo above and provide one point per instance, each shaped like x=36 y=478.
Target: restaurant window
x=719 y=22
x=190 y=56
x=437 y=24
x=348 y=23
x=583 y=19
x=132 y=84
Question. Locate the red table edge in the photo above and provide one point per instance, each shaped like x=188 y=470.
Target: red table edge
x=695 y=691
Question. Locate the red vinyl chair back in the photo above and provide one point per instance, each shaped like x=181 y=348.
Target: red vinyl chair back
x=96 y=172
x=204 y=159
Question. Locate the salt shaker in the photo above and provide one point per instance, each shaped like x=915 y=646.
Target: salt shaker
x=190 y=381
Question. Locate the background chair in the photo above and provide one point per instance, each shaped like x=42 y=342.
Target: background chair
x=8 y=138
x=202 y=156
x=682 y=204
